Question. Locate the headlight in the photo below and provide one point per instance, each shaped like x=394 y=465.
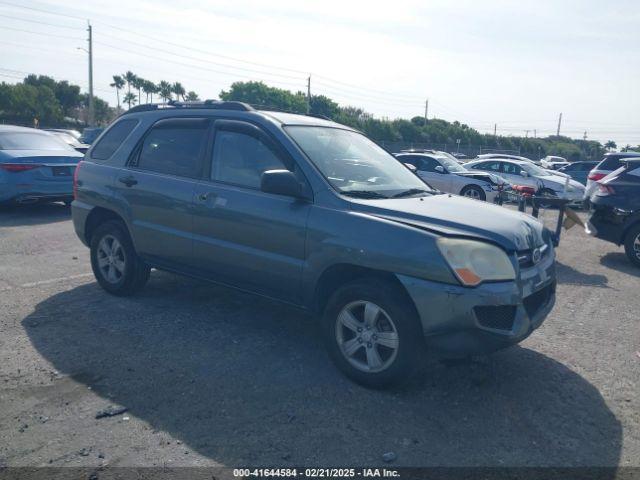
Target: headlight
x=474 y=262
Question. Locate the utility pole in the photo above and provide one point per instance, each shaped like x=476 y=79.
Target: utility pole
x=92 y=117
x=535 y=133
x=559 y=124
x=584 y=137
x=426 y=111
x=495 y=129
x=309 y=95
x=526 y=133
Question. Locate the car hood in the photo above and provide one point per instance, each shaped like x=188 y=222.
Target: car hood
x=452 y=215
x=41 y=156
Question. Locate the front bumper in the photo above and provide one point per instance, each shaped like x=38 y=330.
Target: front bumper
x=459 y=321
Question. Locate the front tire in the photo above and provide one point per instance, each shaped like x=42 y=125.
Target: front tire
x=546 y=192
x=114 y=261
x=373 y=333
x=474 y=191
x=632 y=245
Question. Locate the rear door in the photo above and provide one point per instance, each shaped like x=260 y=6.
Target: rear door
x=158 y=185
x=243 y=236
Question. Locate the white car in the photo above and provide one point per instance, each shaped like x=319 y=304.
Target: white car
x=449 y=176
x=553 y=163
x=520 y=172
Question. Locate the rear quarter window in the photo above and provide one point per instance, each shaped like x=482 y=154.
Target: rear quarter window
x=112 y=139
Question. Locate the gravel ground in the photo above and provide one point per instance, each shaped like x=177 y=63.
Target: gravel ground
x=215 y=377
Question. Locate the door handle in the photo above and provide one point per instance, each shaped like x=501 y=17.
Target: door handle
x=203 y=197
x=128 y=181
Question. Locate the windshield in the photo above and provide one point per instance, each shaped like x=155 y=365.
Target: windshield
x=354 y=165
x=534 y=170
x=31 y=141
x=451 y=165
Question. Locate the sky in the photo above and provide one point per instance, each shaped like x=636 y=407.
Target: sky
x=513 y=64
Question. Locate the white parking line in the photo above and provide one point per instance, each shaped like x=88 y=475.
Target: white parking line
x=46 y=282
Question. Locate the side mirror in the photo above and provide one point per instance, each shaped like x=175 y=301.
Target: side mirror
x=281 y=182
x=524 y=173
x=440 y=169
x=411 y=167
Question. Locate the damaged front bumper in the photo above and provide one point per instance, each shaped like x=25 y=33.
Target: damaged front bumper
x=459 y=321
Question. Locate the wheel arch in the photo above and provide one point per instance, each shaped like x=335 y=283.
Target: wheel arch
x=335 y=276
x=98 y=216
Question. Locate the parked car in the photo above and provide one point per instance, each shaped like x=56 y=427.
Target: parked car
x=70 y=140
x=35 y=166
x=611 y=161
x=313 y=213
x=520 y=172
x=616 y=209
x=71 y=131
x=90 y=134
x=506 y=156
x=579 y=171
x=449 y=176
x=552 y=162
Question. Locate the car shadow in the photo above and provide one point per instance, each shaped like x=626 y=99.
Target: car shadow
x=619 y=261
x=569 y=275
x=245 y=381
x=35 y=214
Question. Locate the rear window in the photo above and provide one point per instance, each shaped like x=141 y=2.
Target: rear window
x=31 y=141
x=112 y=139
x=613 y=162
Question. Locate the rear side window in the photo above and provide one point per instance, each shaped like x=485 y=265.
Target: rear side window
x=510 y=168
x=495 y=166
x=175 y=147
x=112 y=139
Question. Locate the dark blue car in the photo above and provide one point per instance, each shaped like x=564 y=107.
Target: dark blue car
x=35 y=166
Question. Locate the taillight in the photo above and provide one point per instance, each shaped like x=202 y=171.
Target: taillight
x=597 y=176
x=19 y=167
x=605 y=190
x=75 y=180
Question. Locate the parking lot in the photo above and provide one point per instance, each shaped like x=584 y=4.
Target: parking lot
x=211 y=376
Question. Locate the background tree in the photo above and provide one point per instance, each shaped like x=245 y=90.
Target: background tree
x=179 y=90
x=129 y=77
x=138 y=83
x=118 y=84
x=149 y=89
x=192 y=96
x=261 y=95
x=165 y=90
x=610 y=145
x=130 y=98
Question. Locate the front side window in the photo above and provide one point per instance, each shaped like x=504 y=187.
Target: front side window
x=241 y=159
x=175 y=148
x=354 y=165
x=511 y=169
x=31 y=141
x=494 y=166
x=451 y=166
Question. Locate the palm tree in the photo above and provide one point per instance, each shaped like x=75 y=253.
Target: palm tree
x=118 y=83
x=610 y=145
x=138 y=83
x=165 y=90
x=129 y=77
x=130 y=98
x=149 y=89
x=192 y=96
x=179 y=90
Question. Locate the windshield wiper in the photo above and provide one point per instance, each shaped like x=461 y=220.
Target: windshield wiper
x=411 y=191
x=363 y=194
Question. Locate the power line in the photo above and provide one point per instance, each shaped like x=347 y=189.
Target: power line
x=42 y=10
x=40 y=23
x=40 y=33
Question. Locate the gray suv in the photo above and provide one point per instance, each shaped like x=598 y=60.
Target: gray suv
x=315 y=214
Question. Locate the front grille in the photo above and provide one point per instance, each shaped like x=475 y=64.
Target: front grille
x=534 y=302
x=499 y=317
x=525 y=257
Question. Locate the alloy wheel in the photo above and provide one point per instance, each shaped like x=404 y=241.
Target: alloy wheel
x=636 y=246
x=367 y=336
x=111 y=259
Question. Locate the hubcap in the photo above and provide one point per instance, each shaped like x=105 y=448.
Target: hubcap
x=367 y=336
x=472 y=193
x=636 y=246
x=111 y=261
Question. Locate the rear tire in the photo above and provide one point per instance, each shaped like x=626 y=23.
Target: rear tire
x=372 y=333
x=474 y=191
x=632 y=245
x=115 y=263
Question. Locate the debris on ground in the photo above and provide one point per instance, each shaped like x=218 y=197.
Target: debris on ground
x=389 y=457
x=111 y=412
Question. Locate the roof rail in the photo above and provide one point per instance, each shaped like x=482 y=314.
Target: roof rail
x=208 y=104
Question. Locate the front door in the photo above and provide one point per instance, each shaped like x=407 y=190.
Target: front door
x=243 y=236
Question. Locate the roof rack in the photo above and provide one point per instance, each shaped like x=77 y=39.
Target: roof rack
x=208 y=104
